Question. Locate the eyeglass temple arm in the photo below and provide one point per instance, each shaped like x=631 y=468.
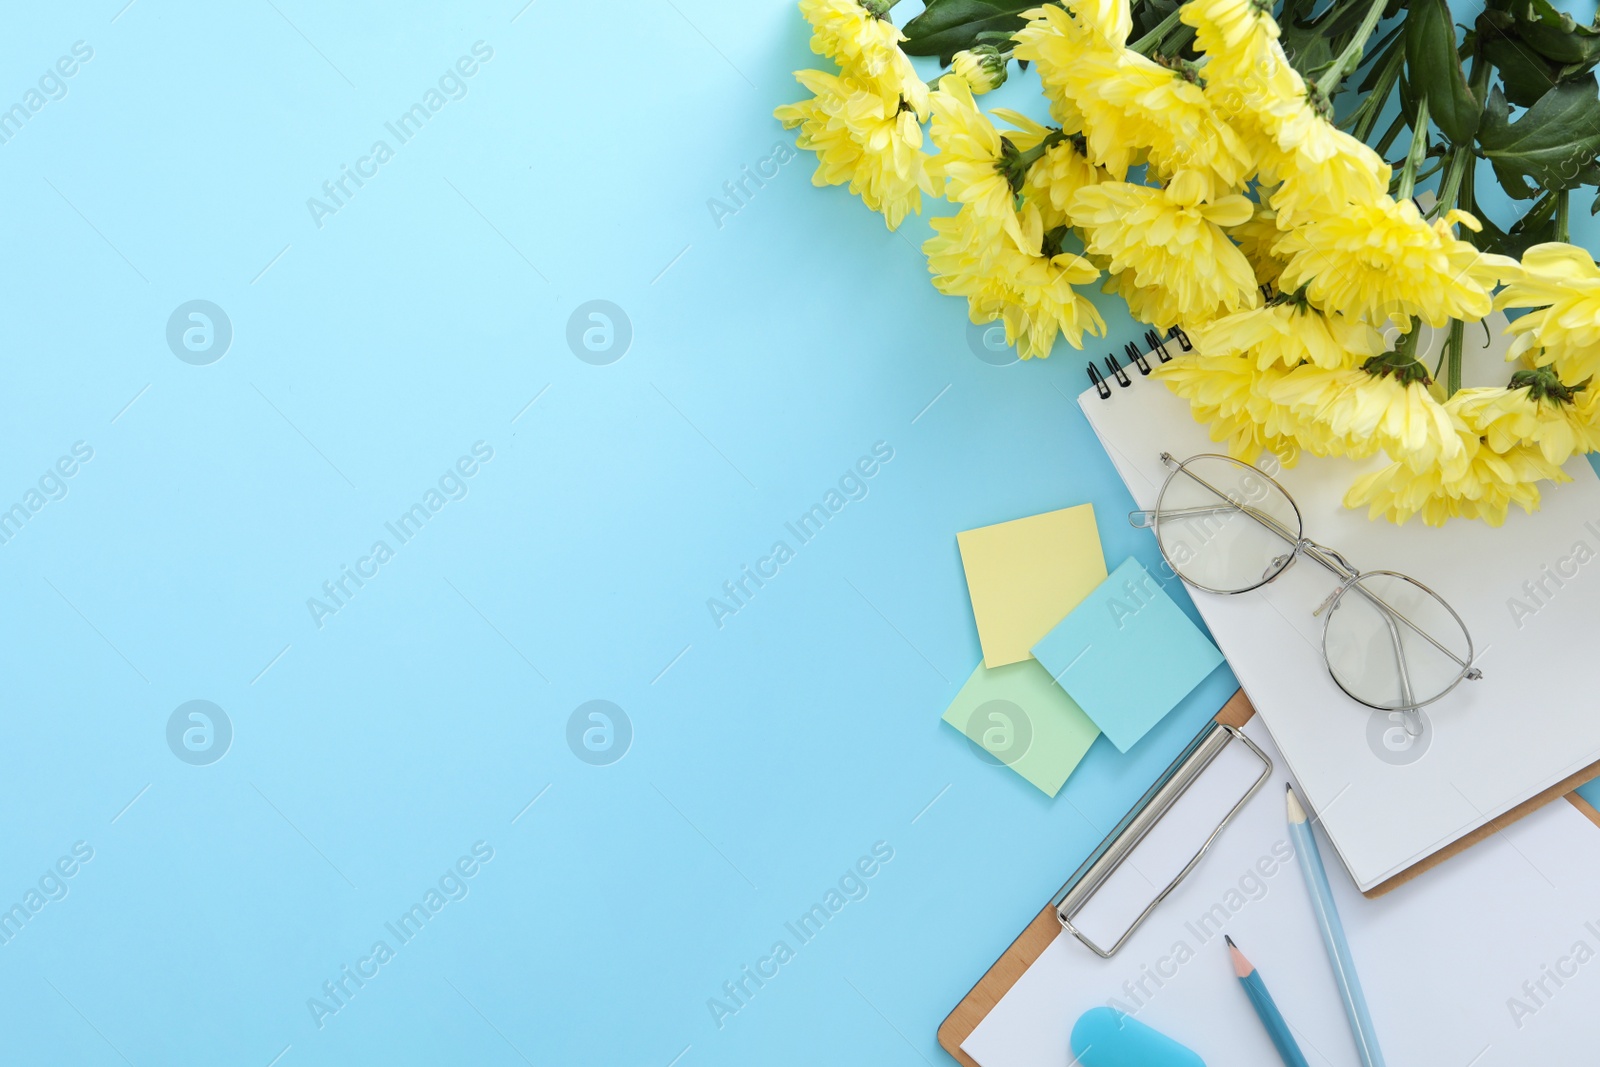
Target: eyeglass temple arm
x=1144 y=520
x=1406 y=693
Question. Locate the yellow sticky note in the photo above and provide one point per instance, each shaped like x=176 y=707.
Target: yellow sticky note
x=1025 y=576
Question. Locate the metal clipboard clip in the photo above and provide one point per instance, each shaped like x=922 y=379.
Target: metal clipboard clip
x=1138 y=823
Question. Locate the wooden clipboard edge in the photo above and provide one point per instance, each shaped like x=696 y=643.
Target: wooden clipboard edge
x=1031 y=943
x=996 y=983
x=1037 y=936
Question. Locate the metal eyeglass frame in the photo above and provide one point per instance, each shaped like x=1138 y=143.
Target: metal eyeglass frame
x=1349 y=578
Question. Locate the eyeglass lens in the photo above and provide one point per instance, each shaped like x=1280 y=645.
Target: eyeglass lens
x=1392 y=644
x=1224 y=526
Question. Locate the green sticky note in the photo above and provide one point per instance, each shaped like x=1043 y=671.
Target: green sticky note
x=1024 y=720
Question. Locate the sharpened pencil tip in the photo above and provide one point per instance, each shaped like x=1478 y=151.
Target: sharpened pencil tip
x=1241 y=966
x=1297 y=813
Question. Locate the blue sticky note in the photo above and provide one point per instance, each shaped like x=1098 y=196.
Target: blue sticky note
x=1127 y=654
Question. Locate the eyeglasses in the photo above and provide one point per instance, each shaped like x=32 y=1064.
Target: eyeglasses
x=1389 y=641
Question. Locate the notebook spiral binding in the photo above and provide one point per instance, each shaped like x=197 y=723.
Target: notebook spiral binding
x=1155 y=346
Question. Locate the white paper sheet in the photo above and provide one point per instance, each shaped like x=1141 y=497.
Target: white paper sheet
x=1530 y=722
x=1443 y=959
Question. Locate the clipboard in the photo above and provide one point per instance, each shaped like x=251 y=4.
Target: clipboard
x=1043 y=929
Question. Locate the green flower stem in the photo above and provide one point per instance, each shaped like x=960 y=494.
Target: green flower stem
x=1034 y=154
x=1478 y=75
x=1366 y=115
x=1154 y=39
x=1350 y=58
x=1419 y=148
x=1455 y=169
x=1179 y=40
x=1406 y=348
x=1428 y=170
x=1561 y=214
x=1014 y=165
x=1452 y=348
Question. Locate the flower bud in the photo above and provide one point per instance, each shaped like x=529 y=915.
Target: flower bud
x=983 y=68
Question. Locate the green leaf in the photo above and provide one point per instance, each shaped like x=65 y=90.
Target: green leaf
x=1527 y=75
x=1554 y=34
x=1553 y=143
x=1408 y=102
x=945 y=27
x=1435 y=68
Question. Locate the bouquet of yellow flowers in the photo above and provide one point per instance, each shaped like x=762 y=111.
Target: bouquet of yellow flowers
x=1197 y=165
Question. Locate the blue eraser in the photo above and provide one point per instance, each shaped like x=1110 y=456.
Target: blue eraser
x=1105 y=1037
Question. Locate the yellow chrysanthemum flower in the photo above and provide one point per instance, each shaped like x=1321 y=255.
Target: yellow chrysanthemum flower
x=1057 y=38
x=1257 y=238
x=1032 y=294
x=1288 y=333
x=1559 y=421
x=1236 y=36
x=866 y=45
x=862 y=137
x=1322 y=172
x=1056 y=178
x=1485 y=487
x=1052 y=41
x=1043 y=305
x=1107 y=21
x=1135 y=108
x=1171 y=243
x=1230 y=395
x=1252 y=85
x=1383 y=261
x=1561 y=280
x=1077 y=24
x=970 y=157
x=961 y=257
x=1243 y=97
x=1359 y=412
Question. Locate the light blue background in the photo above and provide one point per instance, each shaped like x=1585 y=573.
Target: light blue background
x=769 y=353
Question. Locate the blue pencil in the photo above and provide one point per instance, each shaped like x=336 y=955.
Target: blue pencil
x=1344 y=969
x=1261 y=1000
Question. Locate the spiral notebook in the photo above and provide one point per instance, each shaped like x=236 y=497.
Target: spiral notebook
x=1529 y=592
